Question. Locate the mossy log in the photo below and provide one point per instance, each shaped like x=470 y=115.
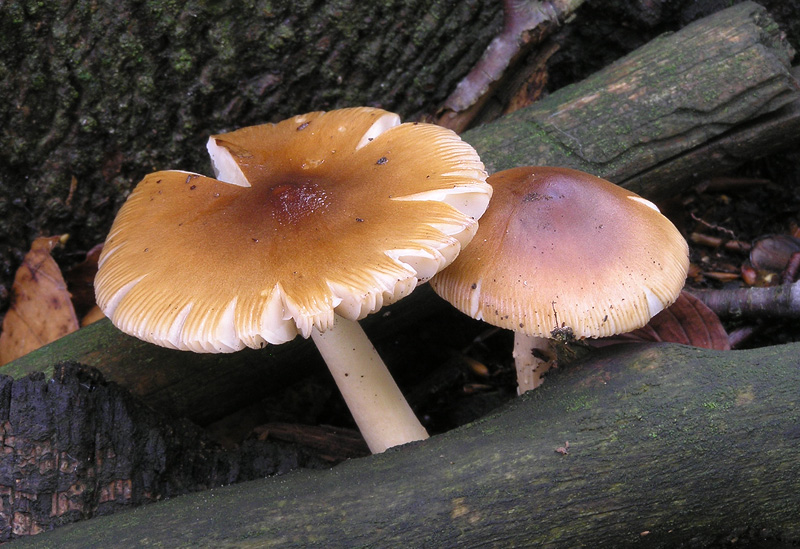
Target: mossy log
x=654 y=445
x=716 y=92
x=641 y=121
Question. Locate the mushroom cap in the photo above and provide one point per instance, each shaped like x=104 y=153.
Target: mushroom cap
x=561 y=249
x=344 y=211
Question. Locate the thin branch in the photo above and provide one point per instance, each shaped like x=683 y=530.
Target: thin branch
x=525 y=24
x=775 y=301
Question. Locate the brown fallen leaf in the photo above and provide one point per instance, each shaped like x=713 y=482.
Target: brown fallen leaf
x=775 y=260
x=773 y=253
x=41 y=307
x=688 y=321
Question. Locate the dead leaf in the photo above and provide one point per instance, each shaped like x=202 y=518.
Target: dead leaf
x=773 y=253
x=775 y=259
x=41 y=308
x=688 y=321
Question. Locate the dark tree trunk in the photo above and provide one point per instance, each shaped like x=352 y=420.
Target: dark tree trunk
x=95 y=94
x=657 y=444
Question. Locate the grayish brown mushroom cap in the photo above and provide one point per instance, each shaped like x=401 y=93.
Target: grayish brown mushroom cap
x=558 y=248
x=344 y=211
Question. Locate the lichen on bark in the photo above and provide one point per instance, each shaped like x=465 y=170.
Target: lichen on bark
x=107 y=91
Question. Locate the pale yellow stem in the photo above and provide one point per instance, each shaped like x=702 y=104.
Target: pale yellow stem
x=376 y=403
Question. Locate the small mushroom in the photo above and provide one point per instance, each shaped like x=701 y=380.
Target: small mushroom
x=310 y=225
x=562 y=254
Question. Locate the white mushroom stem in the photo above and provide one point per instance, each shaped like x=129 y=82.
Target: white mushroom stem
x=379 y=408
x=531 y=368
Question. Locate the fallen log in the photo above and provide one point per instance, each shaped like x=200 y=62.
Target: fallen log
x=207 y=387
x=716 y=92
x=658 y=444
x=641 y=121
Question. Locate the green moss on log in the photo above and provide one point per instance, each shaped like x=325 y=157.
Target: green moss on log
x=670 y=446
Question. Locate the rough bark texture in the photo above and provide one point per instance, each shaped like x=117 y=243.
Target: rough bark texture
x=620 y=26
x=96 y=94
x=657 y=444
x=75 y=446
x=677 y=93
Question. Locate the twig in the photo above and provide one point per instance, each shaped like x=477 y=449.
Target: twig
x=721 y=276
x=775 y=301
x=525 y=24
x=789 y=274
x=715 y=242
x=739 y=336
x=721 y=184
x=712 y=226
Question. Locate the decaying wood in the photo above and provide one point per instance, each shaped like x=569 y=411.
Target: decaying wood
x=657 y=444
x=526 y=24
x=666 y=113
x=696 y=90
x=75 y=446
x=762 y=136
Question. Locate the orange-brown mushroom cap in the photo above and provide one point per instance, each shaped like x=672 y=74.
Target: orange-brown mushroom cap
x=343 y=211
x=559 y=248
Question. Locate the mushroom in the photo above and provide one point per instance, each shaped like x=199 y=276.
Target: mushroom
x=310 y=224
x=562 y=254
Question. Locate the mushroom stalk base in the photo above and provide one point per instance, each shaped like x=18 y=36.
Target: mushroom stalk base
x=379 y=408
x=531 y=367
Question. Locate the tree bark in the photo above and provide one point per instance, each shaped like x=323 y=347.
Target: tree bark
x=75 y=446
x=725 y=93
x=650 y=120
x=95 y=94
x=658 y=444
